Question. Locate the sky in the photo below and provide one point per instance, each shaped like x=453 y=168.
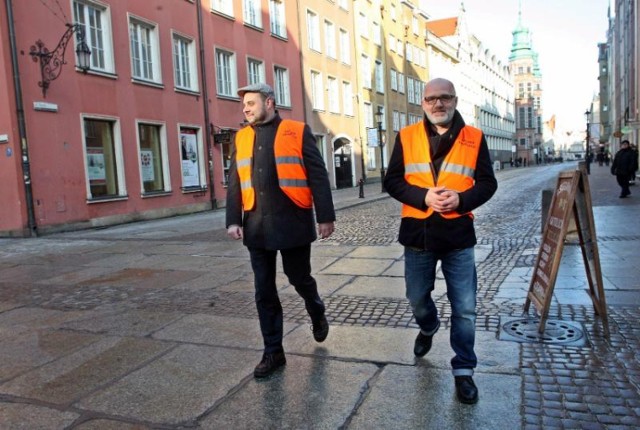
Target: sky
x=565 y=34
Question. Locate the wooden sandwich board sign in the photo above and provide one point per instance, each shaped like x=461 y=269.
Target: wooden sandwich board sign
x=570 y=206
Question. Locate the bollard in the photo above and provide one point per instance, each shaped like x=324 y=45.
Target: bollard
x=361 y=186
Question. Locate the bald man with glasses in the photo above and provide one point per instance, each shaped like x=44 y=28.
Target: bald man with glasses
x=440 y=170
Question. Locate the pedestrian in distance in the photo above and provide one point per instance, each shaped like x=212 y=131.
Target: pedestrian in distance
x=624 y=163
x=276 y=178
x=440 y=170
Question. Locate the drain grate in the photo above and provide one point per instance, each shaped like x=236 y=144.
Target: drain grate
x=555 y=332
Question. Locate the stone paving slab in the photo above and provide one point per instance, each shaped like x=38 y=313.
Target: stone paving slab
x=20 y=416
x=385 y=252
x=70 y=377
x=309 y=393
x=176 y=388
x=217 y=331
x=420 y=398
x=375 y=286
x=358 y=266
x=374 y=344
x=137 y=323
x=328 y=285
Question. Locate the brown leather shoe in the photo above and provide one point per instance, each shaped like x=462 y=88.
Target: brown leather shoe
x=269 y=364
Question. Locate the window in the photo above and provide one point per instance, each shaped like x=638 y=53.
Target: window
x=379 y=77
x=255 y=71
x=366 y=72
x=334 y=95
x=409 y=52
x=371 y=157
x=345 y=46
x=403 y=120
x=313 y=31
x=330 y=39
x=394 y=79
x=96 y=24
x=377 y=34
x=401 y=83
x=253 y=13
x=521 y=117
x=103 y=151
x=226 y=76
x=317 y=93
x=410 y=91
x=396 y=120
x=347 y=98
x=184 y=63
x=191 y=156
x=154 y=165
x=281 y=78
x=145 y=53
x=223 y=6
x=529 y=117
x=392 y=43
x=363 y=25
x=415 y=26
x=277 y=18
x=368 y=115
x=344 y=4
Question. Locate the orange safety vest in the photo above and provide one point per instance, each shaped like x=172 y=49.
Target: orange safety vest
x=292 y=175
x=456 y=172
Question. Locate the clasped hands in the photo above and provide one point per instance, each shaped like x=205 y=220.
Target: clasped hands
x=442 y=200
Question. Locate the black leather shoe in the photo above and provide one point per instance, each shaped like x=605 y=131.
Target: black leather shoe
x=269 y=364
x=320 y=329
x=422 y=345
x=466 y=390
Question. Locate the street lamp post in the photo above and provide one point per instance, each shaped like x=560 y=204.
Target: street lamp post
x=379 y=118
x=587 y=153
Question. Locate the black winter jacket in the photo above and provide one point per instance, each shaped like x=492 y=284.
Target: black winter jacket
x=437 y=233
x=624 y=162
x=276 y=222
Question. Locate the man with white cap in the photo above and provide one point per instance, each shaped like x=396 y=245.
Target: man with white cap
x=276 y=179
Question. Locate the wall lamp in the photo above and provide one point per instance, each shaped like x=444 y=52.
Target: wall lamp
x=51 y=61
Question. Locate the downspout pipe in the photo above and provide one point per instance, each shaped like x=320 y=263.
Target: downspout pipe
x=205 y=103
x=22 y=128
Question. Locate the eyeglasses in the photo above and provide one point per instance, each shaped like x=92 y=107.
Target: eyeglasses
x=444 y=98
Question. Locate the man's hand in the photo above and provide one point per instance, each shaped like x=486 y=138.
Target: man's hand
x=325 y=229
x=234 y=232
x=442 y=200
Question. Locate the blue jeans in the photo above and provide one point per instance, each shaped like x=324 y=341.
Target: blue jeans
x=459 y=271
x=297 y=266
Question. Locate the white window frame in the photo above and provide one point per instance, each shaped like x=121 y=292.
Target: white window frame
x=118 y=155
x=333 y=93
x=363 y=25
x=224 y=7
x=393 y=77
x=345 y=46
x=330 y=39
x=230 y=71
x=377 y=33
x=255 y=71
x=313 y=31
x=365 y=71
x=368 y=115
x=347 y=97
x=395 y=120
x=277 y=18
x=166 y=176
x=379 y=74
x=401 y=84
x=252 y=13
x=145 y=45
x=99 y=36
x=317 y=90
x=281 y=86
x=185 y=63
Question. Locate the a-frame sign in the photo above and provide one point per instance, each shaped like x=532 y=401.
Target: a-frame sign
x=571 y=202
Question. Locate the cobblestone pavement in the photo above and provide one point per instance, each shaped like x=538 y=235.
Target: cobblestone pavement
x=595 y=386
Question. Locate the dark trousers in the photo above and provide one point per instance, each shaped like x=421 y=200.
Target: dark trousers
x=623 y=181
x=297 y=266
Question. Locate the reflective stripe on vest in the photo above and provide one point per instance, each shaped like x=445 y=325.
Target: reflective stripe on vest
x=456 y=172
x=292 y=175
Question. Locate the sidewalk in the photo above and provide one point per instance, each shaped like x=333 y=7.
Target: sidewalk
x=153 y=325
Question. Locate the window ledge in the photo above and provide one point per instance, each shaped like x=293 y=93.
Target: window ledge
x=152 y=194
x=108 y=199
x=147 y=83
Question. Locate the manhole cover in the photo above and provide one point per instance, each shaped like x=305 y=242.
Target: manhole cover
x=555 y=332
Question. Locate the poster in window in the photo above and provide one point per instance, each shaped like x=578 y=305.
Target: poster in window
x=189 y=150
x=95 y=166
x=146 y=165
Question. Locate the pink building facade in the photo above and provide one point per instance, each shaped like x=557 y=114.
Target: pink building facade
x=146 y=131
